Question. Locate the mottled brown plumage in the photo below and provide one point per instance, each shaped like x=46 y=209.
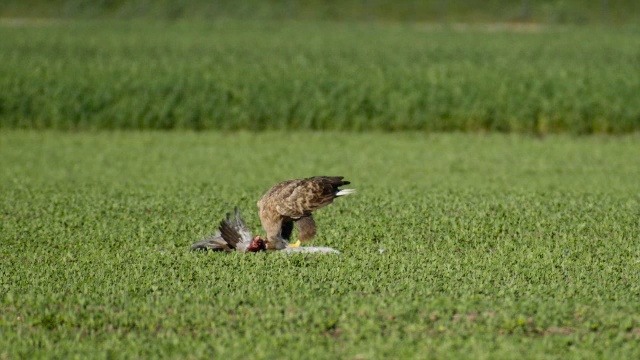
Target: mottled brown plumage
x=294 y=201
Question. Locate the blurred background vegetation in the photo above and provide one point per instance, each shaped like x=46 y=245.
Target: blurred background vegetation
x=357 y=65
x=549 y=11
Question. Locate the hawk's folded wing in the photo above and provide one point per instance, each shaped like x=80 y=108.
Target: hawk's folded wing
x=298 y=198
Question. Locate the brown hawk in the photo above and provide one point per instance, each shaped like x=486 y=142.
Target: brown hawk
x=294 y=201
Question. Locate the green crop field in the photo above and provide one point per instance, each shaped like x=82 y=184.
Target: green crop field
x=485 y=224
x=456 y=245
x=268 y=75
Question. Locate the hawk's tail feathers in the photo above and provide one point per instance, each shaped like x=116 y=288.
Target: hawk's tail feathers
x=345 y=192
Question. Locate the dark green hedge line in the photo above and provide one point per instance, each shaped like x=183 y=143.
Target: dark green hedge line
x=548 y=11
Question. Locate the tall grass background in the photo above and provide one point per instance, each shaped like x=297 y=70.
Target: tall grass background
x=269 y=75
x=546 y=11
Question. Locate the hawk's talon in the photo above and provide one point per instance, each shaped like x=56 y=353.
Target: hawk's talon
x=295 y=244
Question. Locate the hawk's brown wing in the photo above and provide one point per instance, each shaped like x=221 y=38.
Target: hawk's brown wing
x=298 y=198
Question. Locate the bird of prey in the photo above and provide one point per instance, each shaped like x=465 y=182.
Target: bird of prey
x=234 y=235
x=293 y=201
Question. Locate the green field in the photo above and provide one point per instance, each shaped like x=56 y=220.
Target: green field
x=485 y=225
x=482 y=246
x=271 y=75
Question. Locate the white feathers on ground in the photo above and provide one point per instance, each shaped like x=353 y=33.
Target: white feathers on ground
x=310 y=249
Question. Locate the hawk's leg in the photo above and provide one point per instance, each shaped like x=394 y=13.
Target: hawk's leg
x=306 y=230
